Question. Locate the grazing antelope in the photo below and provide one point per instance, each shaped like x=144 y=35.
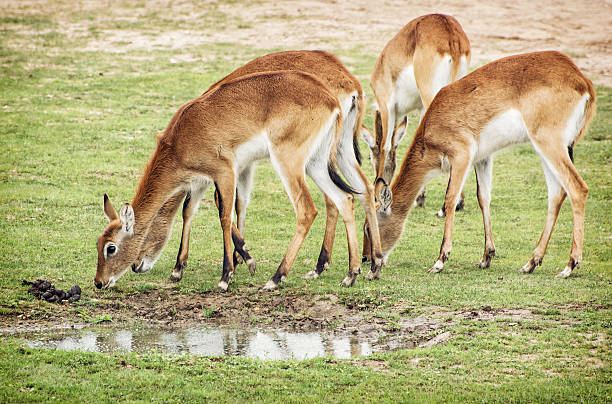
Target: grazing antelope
x=428 y=53
x=349 y=92
x=541 y=98
x=288 y=116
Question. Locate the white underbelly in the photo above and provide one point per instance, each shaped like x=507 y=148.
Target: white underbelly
x=249 y=152
x=506 y=129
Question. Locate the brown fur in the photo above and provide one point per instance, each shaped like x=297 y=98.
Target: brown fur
x=544 y=87
x=330 y=70
x=421 y=43
x=291 y=107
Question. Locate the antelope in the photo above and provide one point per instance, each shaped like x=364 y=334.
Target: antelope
x=541 y=98
x=428 y=53
x=288 y=116
x=349 y=92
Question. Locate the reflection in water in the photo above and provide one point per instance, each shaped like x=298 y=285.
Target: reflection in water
x=262 y=344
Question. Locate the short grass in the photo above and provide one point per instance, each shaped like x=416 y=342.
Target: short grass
x=77 y=123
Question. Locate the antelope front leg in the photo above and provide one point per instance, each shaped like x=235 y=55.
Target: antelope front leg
x=458 y=175
x=306 y=212
x=158 y=234
x=351 y=234
x=420 y=199
x=366 y=251
x=328 y=240
x=484 y=173
x=373 y=235
x=190 y=208
x=460 y=206
x=225 y=188
x=243 y=193
x=241 y=250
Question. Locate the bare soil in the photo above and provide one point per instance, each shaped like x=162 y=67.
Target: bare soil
x=496 y=28
x=248 y=309
x=371 y=319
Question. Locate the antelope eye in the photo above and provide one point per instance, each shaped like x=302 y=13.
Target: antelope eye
x=110 y=250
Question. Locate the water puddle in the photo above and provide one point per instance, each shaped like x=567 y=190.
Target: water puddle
x=261 y=343
x=206 y=341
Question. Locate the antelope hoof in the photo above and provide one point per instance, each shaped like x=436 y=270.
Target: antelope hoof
x=348 y=281
x=484 y=264
x=252 y=265
x=420 y=200
x=441 y=213
x=564 y=274
x=176 y=275
x=372 y=275
x=460 y=205
x=311 y=275
x=530 y=266
x=366 y=260
x=144 y=266
x=222 y=286
x=437 y=268
x=271 y=285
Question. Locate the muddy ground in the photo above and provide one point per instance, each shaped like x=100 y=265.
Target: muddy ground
x=250 y=309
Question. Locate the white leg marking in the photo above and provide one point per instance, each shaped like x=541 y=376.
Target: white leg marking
x=442 y=75
x=565 y=273
x=270 y=285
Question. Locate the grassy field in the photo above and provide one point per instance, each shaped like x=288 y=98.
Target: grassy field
x=78 y=122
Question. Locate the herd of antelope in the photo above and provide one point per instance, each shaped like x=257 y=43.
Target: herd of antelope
x=304 y=111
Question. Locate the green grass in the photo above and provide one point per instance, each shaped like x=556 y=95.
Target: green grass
x=78 y=123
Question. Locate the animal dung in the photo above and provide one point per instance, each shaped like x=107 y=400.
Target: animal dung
x=44 y=289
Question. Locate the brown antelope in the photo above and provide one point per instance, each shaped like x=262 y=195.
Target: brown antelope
x=428 y=53
x=349 y=92
x=540 y=98
x=288 y=116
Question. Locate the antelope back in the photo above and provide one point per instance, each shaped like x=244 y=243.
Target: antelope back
x=424 y=56
x=289 y=108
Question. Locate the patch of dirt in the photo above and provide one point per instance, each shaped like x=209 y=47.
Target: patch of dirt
x=248 y=308
x=285 y=310
x=496 y=28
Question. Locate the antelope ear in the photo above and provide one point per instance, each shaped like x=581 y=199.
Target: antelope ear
x=109 y=211
x=366 y=135
x=400 y=131
x=127 y=218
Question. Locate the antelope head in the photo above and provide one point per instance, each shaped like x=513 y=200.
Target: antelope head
x=115 y=250
x=390 y=228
